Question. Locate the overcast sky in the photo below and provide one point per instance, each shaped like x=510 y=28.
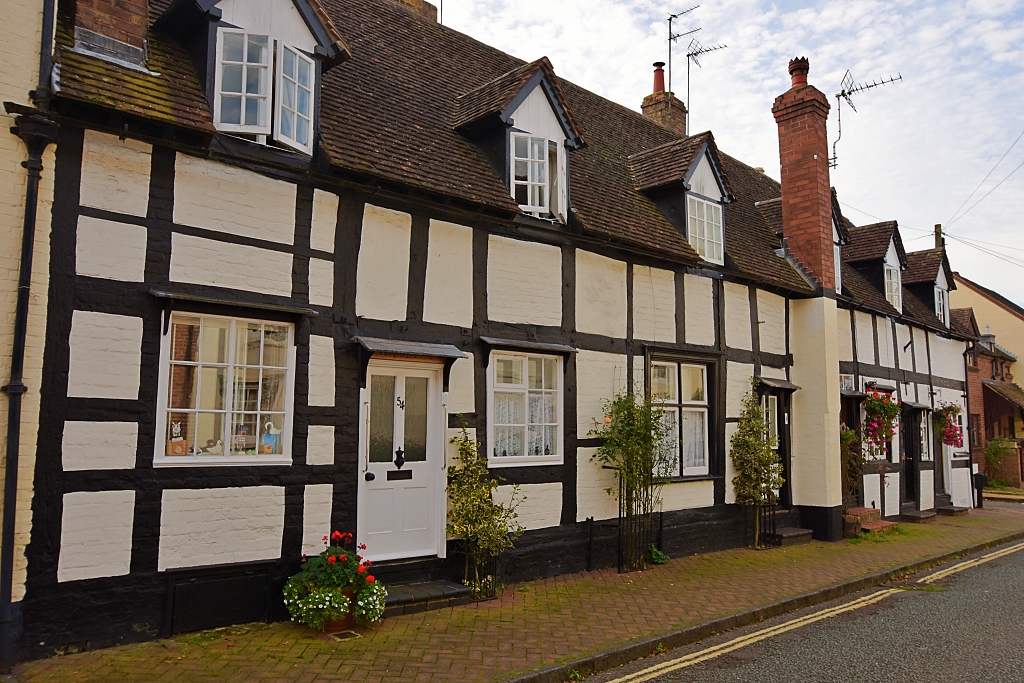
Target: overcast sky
x=913 y=151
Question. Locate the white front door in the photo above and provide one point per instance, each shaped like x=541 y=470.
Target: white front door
x=401 y=495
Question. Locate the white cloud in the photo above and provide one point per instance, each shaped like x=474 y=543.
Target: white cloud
x=913 y=151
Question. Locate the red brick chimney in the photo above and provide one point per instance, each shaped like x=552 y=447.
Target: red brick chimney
x=115 y=29
x=662 y=106
x=801 y=113
x=420 y=7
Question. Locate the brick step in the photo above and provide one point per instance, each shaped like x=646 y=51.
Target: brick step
x=864 y=514
x=788 y=535
x=410 y=598
x=918 y=516
x=879 y=527
x=952 y=510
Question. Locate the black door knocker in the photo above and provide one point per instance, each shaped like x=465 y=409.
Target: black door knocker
x=399 y=458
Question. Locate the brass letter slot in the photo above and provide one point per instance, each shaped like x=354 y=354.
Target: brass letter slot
x=399 y=474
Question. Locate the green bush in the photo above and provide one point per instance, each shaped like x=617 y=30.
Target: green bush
x=996 y=451
x=758 y=469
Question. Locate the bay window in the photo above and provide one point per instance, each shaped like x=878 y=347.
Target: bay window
x=704 y=229
x=680 y=390
x=524 y=409
x=225 y=391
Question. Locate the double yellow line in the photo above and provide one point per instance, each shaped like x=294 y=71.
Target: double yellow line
x=931 y=578
x=749 y=639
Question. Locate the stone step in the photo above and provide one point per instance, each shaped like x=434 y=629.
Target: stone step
x=879 y=527
x=864 y=514
x=952 y=510
x=793 y=536
x=410 y=598
x=918 y=516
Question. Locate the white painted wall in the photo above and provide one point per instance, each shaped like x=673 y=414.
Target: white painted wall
x=927 y=489
x=321 y=370
x=451 y=450
x=541 y=508
x=947 y=357
x=892 y=494
x=115 y=173
x=216 y=196
x=703 y=180
x=317 y=502
x=200 y=261
x=737 y=383
x=592 y=499
x=600 y=295
x=325 y=221
x=279 y=19
x=886 y=355
x=536 y=117
x=774 y=373
x=699 y=310
x=771 y=318
x=598 y=377
x=320 y=445
x=114 y=251
x=105 y=355
x=95 y=535
x=201 y=527
x=920 y=350
x=844 y=335
x=737 y=316
x=903 y=337
x=873 y=491
x=654 y=304
x=688 y=494
x=461 y=386
x=865 y=338
x=524 y=282
x=382 y=274
x=99 y=445
x=730 y=491
x=448 y=294
x=321 y=282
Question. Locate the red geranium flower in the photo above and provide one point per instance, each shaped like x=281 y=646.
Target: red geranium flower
x=344 y=558
x=331 y=559
x=362 y=546
x=337 y=534
x=370 y=579
x=361 y=569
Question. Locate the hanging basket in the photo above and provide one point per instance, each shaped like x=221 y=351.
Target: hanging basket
x=948 y=426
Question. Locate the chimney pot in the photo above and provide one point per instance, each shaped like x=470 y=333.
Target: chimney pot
x=659 y=77
x=798 y=69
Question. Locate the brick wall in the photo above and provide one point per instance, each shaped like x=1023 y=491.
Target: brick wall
x=124 y=20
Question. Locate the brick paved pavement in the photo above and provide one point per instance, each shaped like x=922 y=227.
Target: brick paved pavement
x=530 y=625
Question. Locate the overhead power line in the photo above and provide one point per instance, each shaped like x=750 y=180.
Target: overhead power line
x=988 y=193
x=950 y=219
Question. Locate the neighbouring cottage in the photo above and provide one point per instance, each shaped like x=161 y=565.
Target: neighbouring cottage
x=295 y=244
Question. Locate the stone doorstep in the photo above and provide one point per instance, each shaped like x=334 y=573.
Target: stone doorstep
x=918 y=516
x=792 y=536
x=425 y=596
x=953 y=511
x=879 y=527
x=863 y=515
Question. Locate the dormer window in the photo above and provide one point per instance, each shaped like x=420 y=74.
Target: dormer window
x=893 y=288
x=942 y=305
x=295 y=88
x=530 y=173
x=704 y=228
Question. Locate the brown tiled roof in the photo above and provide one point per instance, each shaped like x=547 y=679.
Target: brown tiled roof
x=668 y=163
x=923 y=266
x=863 y=292
x=1006 y=390
x=869 y=242
x=963 y=321
x=325 y=20
x=919 y=311
x=771 y=209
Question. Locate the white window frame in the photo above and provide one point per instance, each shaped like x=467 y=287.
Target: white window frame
x=492 y=387
x=837 y=254
x=218 y=75
x=770 y=406
x=711 y=247
x=536 y=210
x=675 y=405
x=160 y=457
x=893 y=287
x=942 y=305
x=279 y=97
x=846 y=383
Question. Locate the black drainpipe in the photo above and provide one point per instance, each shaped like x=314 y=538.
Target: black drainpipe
x=37 y=127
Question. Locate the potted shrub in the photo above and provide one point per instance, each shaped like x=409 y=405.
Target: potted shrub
x=335 y=588
x=758 y=469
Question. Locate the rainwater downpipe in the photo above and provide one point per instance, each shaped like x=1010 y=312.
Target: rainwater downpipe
x=37 y=128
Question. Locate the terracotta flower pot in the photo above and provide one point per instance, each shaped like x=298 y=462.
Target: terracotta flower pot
x=345 y=623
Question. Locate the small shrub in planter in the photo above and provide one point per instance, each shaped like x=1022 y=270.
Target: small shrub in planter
x=334 y=585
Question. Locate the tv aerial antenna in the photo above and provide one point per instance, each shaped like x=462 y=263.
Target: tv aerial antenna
x=847 y=88
x=673 y=37
x=693 y=53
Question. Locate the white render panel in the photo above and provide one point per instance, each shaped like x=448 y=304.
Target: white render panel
x=281 y=19
x=906 y=357
x=886 y=356
x=524 y=282
x=892 y=494
x=321 y=282
x=99 y=445
x=600 y=295
x=451 y=450
x=96 y=535
x=325 y=221
x=737 y=383
x=699 y=310
x=921 y=350
x=962 y=488
x=737 y=316
x=321 y=370
x=448 y=291
x=865 y=338
x=703 y=180
x=688 y=494
x=927 y=489
x=947 y=357
x=200 y=261
x=873 y=491
x=845 y=335
x=541 y=505
x=317 y=503
x=105 y=355
x=114 y=251
x=536 y=117
x=592 y=482
x=216 y=196
x=115 y=174
x=654 y=304
x=219 y=526
x=771 y=321
x=461 y=386
x=730 y=471
x=320 y=445
x=382 y=274
x=773 y=373
x=598 y=377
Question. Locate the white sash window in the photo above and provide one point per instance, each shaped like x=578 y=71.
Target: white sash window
x=294 y=125
x=243 y=82
x=681 y=391
x=524 y=409
x=705 y=229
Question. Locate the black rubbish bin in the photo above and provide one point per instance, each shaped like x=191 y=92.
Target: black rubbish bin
x=980 y=482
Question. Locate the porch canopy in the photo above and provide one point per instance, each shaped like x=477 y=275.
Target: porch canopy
x=401 y=347
x=1009 y=392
